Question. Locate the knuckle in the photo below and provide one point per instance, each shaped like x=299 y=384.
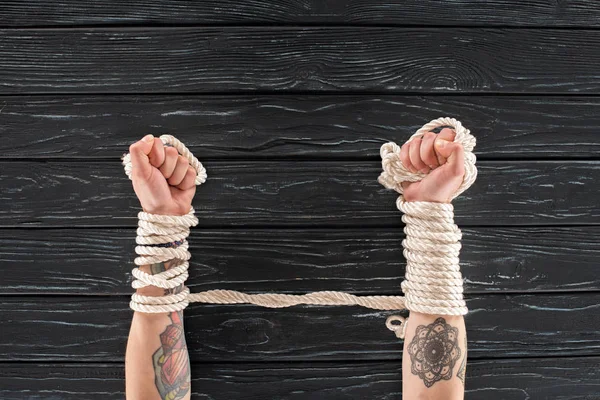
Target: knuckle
x=404 y=157
x=429 y=135
x=163 y=169
x=413 y=146
x=431 y=161
x=415 y=157
x=404 y=152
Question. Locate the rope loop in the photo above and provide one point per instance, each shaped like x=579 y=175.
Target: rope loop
x=398 y=329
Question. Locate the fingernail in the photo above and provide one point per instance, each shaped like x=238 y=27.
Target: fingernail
x=441 y=143
x=148 y=138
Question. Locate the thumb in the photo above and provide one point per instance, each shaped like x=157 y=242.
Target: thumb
x=453 y=152
x=140 y=163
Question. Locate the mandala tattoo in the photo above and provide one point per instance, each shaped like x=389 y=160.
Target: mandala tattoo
x=434 y=351
x=463 y=366
x=171 y=361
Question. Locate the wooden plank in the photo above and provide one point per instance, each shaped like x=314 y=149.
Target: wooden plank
x=285 y=193
x=509 y=379
x=317 y=59
x=356 y=12
x=95 y=329
x=294 y=126
x=365 y=261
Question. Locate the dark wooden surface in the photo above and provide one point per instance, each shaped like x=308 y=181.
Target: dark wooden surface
x=566 y=378
x=299 y=59
x=541 y=13
x=287 y=192
x=95 y=328
x=363 y=261
x=287 y=104
x=332 y=127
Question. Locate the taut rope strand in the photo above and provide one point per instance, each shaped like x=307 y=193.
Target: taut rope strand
x=433 y=283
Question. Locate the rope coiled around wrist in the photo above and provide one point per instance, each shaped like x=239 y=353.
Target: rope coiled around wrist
x=154 y=229
x=433 y=283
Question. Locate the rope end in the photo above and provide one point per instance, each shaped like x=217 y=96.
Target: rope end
x=398 y=329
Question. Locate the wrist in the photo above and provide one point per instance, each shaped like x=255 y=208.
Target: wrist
x=432 y=199
x=153 y=232
x=165 y=211
x=433 y=283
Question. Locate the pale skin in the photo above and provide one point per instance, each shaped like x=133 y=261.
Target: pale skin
x=164 y=183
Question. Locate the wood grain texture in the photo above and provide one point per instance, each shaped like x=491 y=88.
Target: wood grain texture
x=287 y=104
x=317 y=59
x=356 y=12
x=294 y=126
x=363 y=261
x=95 y=329
x=286 y=193
x=509 y=379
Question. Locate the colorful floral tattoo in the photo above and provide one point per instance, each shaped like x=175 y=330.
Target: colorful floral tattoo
x=434 y=351
x=171 y=360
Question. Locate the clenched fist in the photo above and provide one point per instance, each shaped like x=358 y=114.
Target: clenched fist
x=444 y=164
x=163 y=180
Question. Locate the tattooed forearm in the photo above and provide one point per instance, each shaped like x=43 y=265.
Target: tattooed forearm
x=434 y=351
x=463 y=366
x=171 y=360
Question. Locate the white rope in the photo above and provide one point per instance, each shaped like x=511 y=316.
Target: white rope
x=433 y=283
